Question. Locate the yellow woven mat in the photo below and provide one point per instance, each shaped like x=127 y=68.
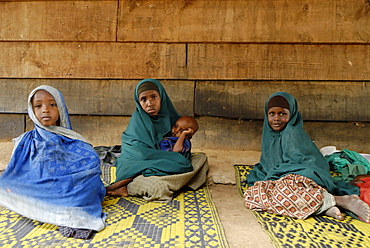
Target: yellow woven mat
x=190 y=220
x=316 y=231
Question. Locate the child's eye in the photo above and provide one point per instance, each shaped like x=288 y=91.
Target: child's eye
x=37 y=106
x=53 y=104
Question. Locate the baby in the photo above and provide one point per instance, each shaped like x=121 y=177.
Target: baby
x=181 y=133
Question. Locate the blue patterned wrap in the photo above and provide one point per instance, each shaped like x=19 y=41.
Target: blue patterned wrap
x=54 y=175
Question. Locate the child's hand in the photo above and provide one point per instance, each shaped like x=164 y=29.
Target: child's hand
x=188 y=133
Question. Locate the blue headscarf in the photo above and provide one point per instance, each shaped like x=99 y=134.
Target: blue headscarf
x=54 y=175
x=141 y=153
x=291 y=151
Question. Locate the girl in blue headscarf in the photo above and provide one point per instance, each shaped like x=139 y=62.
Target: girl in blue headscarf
x=292 y=177
x=155 y=174
x=54 y=175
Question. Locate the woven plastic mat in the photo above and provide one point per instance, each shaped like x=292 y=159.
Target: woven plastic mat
x=316 y=231
x=189 y=220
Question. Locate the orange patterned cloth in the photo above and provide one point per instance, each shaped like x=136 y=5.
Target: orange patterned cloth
x=292 y=195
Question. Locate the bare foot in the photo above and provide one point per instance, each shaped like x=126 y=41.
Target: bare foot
x=335 y=213
x=122 y=191
x=118 y=184
x=354 y=204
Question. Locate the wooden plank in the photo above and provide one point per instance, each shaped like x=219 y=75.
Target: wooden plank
x=182 y=95
x=226 y=134
x=11 y=126
x=101 y=130
x=244 y=21
x=350 y=135
x=86 y=60
x=93 y=97
x=98 y=130
x=278 y=62
x=319 y=101
x=58 y=21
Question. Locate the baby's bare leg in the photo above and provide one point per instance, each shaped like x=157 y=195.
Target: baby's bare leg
x=354 y=204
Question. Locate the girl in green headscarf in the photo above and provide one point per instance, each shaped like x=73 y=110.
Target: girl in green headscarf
x=141 y=153
x=292 y=177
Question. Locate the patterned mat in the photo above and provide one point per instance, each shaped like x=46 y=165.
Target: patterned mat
x=190 y=220
x=317 y=231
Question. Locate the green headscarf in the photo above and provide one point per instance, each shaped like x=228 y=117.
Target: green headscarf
x=140 y=142
x=291 y=151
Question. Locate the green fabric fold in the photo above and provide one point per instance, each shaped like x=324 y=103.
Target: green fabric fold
x=141 y=153
x=291 y=151
x=349 y=164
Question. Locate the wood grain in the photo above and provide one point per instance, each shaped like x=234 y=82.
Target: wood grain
x=317 y=100
x=93 y=97
x=226 y=134
x=58 y=20
x=278 y=21
x=86 y=60
x=11 y=126
x=278 y=62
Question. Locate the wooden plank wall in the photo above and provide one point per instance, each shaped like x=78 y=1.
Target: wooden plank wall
x=219 y=60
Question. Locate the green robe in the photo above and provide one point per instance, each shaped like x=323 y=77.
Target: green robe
x=141 y=153
x=291 y=151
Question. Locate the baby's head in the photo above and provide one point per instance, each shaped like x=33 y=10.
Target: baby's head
x=278 y=113
x=45 y=108
x=185 y=124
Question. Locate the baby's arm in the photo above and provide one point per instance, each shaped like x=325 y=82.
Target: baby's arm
x=179 y=145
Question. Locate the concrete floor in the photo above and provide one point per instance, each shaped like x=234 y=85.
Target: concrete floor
x=241 y=228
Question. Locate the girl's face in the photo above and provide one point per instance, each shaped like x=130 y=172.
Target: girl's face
x=45 y=108
x=150 y=102
x=278 y=118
